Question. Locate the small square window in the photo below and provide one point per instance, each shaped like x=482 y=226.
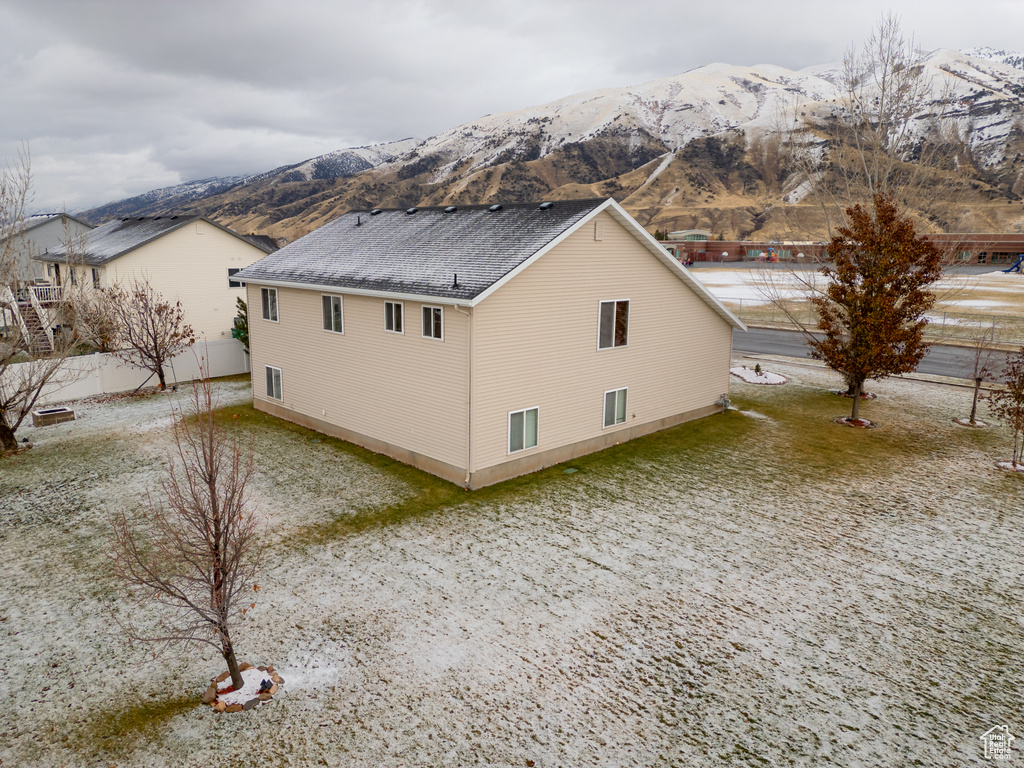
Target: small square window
x=393 y=316
x=613 y=326
x=614 y=407
x=269 y=299
x=274 y=382
x=233 y=283
x=433 y=322
x=522 y=429
x=332 y=314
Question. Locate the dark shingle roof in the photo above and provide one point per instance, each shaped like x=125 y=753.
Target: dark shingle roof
x=120 y=236
x=420 y=253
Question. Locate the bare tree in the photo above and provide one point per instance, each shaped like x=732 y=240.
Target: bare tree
x=892 y=130
x=1008 y=403
x=982 y=359
x=32 y=356
x=194 y=553
x=151 y=330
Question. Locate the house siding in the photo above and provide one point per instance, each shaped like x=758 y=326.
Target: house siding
x=398 y=394
x=193 y=268
x=535 y=344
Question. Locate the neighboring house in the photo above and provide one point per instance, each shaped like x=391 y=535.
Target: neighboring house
x=43 y=232
x=480 y=343
x=186 y=258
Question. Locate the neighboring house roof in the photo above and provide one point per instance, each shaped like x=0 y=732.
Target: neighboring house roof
x=116 y=238
x=38 y=219
x=419 y=252
x=263 y=242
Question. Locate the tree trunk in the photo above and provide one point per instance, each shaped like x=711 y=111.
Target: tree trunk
x=856 y=403
x=8 y=442
x=974 y=405
x=229 y=657
x=160 y=376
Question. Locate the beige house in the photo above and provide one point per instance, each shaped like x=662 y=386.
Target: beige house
x=480 y=343
x=43 y=232
x=186 y=258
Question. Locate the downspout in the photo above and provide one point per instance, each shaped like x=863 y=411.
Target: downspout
x=469 y=390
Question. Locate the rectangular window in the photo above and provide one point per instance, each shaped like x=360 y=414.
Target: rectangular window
x=433 y=323
x=614 y=324
x=393 y=316
x=522 y=429
x=269 y=297
x=614 y=407
x=963 y=255
x=982 y=257
x=273 y=382
x=96 y=278
x=332 y=313
x=233 y=283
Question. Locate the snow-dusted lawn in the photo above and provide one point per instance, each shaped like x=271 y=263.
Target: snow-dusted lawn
x=755 y=588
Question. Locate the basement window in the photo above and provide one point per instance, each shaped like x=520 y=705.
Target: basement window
x=522 y=429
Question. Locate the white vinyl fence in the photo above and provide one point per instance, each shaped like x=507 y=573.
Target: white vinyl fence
x=102 y=374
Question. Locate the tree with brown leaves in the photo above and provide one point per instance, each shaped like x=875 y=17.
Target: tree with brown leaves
x=151 y=329
x=872 y=309
x=193 y=553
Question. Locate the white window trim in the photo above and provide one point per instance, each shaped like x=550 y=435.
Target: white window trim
x=611 y=301
x=432 y=307
x=231 y=278
x=604 y=399
x=277 y=305
x=508 y=431
x=280 y=378
x=341 y=300
x=402 y=305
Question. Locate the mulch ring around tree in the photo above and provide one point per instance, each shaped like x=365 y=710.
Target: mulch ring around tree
x=846 y=421
x=259 y=686
x=1009 y=466
x=968 y=423
x=15 y=451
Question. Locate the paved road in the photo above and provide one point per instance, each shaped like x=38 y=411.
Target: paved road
x=940 y=360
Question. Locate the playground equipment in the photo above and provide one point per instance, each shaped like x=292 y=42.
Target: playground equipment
x=1018 y=265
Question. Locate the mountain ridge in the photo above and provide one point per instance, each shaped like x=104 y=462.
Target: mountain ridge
x=672 y=150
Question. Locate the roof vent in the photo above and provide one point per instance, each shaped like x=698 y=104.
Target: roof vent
x=411 y=211
x=451 y=209
x=545 y=206
x=495 y=207
x=375 y=211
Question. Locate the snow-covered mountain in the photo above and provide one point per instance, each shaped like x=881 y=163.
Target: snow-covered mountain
x=598 y=136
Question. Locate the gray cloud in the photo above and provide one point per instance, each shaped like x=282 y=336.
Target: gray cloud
x=117 y=96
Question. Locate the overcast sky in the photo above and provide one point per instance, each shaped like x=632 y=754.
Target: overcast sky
x=117 y=97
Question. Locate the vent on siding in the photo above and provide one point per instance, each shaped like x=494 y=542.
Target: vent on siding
x=199 y=228
x=599 y=230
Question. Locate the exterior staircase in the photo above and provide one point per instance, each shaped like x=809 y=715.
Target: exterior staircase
x=37 y=340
